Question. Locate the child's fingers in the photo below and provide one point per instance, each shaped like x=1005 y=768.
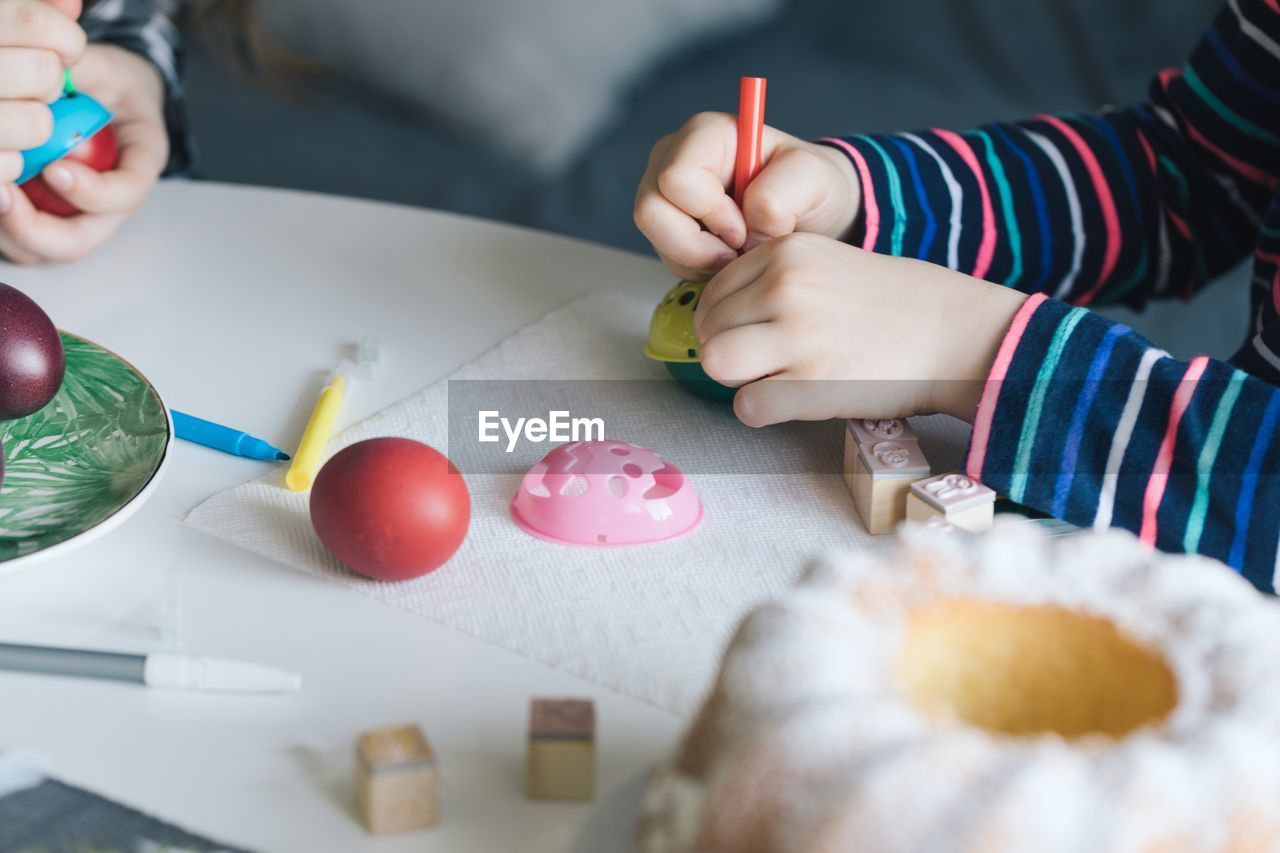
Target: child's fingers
x=744 y=354
x=708 y=141
x=53 y=238
x=678 y=237
x=740 y=308
x=10 y=249
x=794 y=183
x=24 y=124
x=10 y=167
x=691 y=169
x=734 y=277
x=687 y=273
x=30 y=73
x=696 y=167
x=782 y=397
x=70 y=8
x=35 y=23
x=701 y=195
x=14 y=254
x=120 y=190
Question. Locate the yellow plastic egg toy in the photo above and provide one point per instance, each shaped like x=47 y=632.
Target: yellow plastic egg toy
x=673 y=341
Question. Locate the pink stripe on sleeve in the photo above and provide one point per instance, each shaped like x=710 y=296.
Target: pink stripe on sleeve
x=991 y=390
x=1255 y=174
x=1159 y=478
x=1108 y=203
x=1178 y=222
x=987 y=248
x=870 y=210
x=1146 y=149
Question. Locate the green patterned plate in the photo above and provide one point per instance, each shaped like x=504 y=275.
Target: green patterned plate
x=84 y=463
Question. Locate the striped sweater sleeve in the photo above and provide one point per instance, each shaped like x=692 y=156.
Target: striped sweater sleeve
x=149 y=28
x=1120 y=206
x=1083 y=418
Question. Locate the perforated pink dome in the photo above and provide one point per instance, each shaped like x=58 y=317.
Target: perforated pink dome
x=606 y=493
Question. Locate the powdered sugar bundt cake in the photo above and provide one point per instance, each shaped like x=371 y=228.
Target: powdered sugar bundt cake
x=1007 y=692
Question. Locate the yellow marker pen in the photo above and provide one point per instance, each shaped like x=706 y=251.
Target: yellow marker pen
x=315 y=438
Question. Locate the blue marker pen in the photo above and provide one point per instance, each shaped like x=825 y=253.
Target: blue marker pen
x=222 y=438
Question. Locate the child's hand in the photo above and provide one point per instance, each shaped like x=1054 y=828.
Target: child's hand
x=132 y=89
x=37 y=40
x=685 y=207
x=856 y=333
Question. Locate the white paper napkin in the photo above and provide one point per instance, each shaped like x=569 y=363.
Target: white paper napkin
x=648 y=621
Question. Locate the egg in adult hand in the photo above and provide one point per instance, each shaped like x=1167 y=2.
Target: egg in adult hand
x=390 y=508
x=32 y=361
x=99 y=152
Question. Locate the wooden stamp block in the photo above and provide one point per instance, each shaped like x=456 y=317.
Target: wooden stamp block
x=938 y=523
x=561 y=759
x=956 y=498
x=872 y=430
x=880 y=475
x=397 y=786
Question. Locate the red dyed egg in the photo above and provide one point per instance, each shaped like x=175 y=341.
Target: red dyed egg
x=390 y=508
x=99 y=152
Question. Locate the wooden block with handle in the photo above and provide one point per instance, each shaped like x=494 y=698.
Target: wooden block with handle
x=868 y=431
x=880 y=472
x=956 y=498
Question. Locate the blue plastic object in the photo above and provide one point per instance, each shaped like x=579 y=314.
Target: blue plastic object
x=76 y=117
x=226 y=439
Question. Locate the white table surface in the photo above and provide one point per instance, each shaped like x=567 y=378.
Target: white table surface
x=235 y=302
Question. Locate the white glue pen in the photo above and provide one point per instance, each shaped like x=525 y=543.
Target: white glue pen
x=175 y=672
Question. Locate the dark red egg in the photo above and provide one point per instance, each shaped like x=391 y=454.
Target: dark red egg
x=32 y=362
x=99 y=152
x=390 y=508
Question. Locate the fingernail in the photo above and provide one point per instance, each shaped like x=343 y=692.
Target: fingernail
x=754 y=238
x=59 y=177
x=6 y=200
x=734 y=238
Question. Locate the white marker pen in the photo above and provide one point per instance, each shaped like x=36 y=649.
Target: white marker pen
x=177 y=672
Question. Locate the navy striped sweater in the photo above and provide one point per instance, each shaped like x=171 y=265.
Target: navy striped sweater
x=1082 y=417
